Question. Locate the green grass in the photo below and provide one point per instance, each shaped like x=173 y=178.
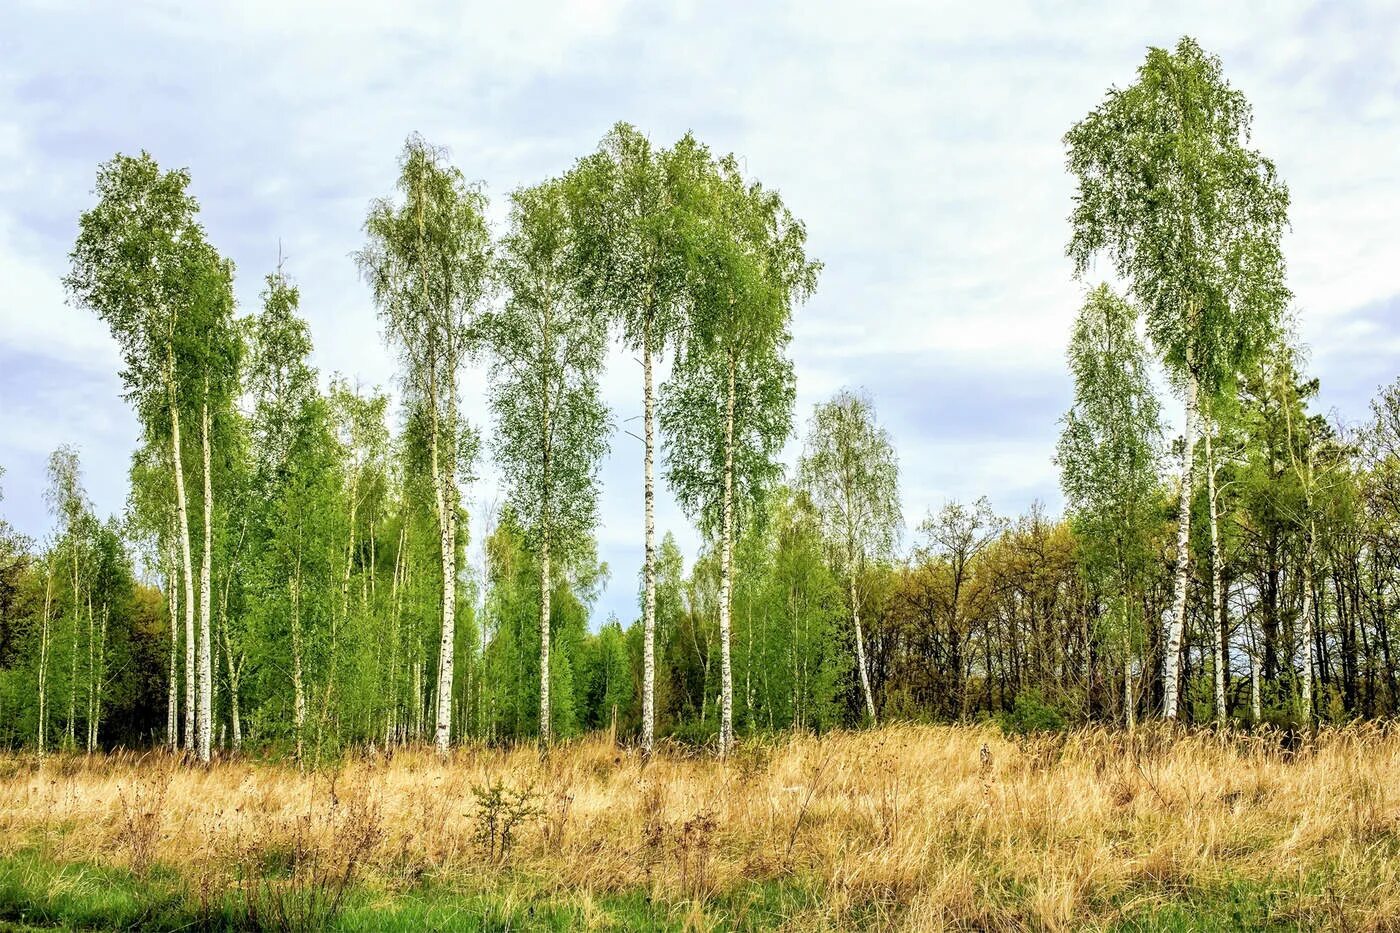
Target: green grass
x=37 y=893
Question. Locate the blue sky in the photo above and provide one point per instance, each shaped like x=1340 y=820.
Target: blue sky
x=920 y=143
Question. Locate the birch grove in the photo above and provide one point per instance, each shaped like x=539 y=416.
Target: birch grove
x=294 y=572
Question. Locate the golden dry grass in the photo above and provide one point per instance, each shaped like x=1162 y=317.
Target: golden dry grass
x=907 y=826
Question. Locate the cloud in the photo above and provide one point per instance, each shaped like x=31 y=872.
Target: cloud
x=919 y=142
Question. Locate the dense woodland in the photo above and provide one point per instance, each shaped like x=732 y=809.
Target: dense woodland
x=289 y=573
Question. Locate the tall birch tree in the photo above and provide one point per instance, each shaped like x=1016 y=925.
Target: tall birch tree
x=427 y=264
x=728 y=409
x=142 y=263
x=548 y=349
x=628 y=223
x=1190 y=219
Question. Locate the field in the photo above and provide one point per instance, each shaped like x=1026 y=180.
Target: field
x=910 y=827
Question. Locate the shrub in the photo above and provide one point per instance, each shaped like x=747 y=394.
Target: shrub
x=1031 y=714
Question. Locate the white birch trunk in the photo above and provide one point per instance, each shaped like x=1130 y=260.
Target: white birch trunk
x=91 y=739
x=44 y=658
x=72 y=725
x=186 y=564
x=1306 y=702
x=298 y=685
x=443 y=481
x=545 y=731
x=1216 y=596
x=726 y=581
x=1177 y=626
x=172 y=699
x=860 y=651
x=649 y=565
x=204 y=666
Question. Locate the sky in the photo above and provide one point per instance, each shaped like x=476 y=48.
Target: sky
x=919 y=142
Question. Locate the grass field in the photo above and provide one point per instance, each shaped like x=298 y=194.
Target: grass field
x=910 y=827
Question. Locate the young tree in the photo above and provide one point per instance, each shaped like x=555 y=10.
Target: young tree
x=1191 y=219
x=551 y=424
x=1108 y=456
x=69 y=504
x=427 y=263
x=295 y=485
x=626 y=215
x=851 y=472
x=728 y=409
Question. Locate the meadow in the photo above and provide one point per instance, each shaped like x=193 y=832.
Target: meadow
x=902 y=827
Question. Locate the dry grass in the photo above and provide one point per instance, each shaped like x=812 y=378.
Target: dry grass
x=907 y=826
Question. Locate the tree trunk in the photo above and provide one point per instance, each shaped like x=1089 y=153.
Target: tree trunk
x=860 y=650
x=391 y=715
x=1217 y=606
x=544 y=641
x=100 y=680
x=91 y=739
x=649 y=564
x=726 y=581
x=1177 y=631
x=44 y=657
x=235 y=718
x=205 y=672
x=186 y=562
x=443 y=480
x=298 y=684
x=1129 y=701
x=172 y=698
x=71 y=727
x=1256 y=701
x=1306 y=699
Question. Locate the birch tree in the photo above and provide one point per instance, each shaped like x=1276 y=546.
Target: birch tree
x=69 y=505
x=141 y=263
x=728 y=409
x=628 y=224
x=427 y=263
x=1190 y=219
x=548 y=349
x=213 y=348
x=295 y=484
x=1108 y=454
x=851 y=472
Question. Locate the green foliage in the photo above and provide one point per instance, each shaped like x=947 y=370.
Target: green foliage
x=500 y=812
x=1031 y=714
x=1189 y=216
x=1108 y=456
x=850 y=470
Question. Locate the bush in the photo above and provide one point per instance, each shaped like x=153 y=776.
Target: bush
x=1031 y=714
x=697 y=733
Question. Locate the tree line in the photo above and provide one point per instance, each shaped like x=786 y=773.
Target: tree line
x=289 y=572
